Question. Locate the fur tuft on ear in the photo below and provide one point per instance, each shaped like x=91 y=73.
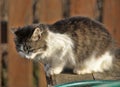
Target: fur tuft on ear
x=36 y=34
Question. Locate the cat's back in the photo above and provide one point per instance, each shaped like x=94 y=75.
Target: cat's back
x=78 y=23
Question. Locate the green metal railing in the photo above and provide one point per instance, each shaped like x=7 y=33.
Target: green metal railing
x=92 y=83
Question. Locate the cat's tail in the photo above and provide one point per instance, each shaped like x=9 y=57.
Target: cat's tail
x=116 y=61
x=117 y=53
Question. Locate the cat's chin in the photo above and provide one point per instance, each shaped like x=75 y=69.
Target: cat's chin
x=28 y=56
x=25 y=55
x=22 y=54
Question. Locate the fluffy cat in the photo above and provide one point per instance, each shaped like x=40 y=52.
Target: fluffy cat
x=79 y=43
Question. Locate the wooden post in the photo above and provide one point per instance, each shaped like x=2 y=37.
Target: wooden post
x=42 y=77
x=83 y=8
x=47 y=12
x=111 y=18
x=19 y=69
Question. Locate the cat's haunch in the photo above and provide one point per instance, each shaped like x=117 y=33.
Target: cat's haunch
x=79 y=43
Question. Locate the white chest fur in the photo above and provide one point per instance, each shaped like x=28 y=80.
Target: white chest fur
x=59 y=47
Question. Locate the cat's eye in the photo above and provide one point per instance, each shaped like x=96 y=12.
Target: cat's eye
x=18 y=45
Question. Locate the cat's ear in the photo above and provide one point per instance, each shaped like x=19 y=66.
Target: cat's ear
x=36 y=34
x=13 y=30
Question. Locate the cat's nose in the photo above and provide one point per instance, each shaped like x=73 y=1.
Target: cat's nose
x=25 y=48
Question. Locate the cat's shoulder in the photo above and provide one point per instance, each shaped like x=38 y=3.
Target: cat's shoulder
x=65 y=24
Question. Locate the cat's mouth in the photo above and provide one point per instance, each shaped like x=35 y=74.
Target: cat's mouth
x=22 y=54
x=29 y=56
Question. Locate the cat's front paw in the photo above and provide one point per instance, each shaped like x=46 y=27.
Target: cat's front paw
x=53 y=71
x=83 y=71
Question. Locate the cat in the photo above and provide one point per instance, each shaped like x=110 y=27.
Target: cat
x=79 y=43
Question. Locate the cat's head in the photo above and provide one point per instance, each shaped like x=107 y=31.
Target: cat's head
x=30 y=40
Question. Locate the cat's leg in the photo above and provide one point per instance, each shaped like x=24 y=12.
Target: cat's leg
x=81 y=69
x=89 y=66
x=57 y=68
x=95 y=64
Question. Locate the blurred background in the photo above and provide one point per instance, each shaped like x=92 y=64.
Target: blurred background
x=19 y=72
